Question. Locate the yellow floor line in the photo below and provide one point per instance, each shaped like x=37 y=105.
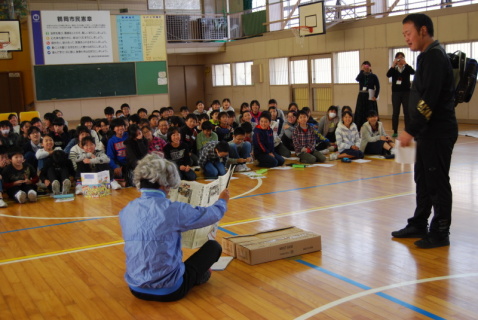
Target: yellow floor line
x=60 y=252
x=332 y=206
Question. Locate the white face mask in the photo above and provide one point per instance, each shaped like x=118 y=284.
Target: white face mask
x=5 y=131
x=332 y=115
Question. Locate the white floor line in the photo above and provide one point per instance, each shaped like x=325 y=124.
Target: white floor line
x=373 y=291
x=259 y=184
x=52 y=218
x=317 y=209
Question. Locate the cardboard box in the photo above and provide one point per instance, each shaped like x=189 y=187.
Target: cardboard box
x=271 y=245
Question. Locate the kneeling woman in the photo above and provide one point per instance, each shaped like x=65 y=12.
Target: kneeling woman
x=152 y=226
x=348 y=138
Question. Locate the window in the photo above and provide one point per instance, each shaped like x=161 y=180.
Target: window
x=464 y=47
x=299 y=72
x=242 y=73
x=347 y=66
x=322 y=70
x=279 y=71
x=221 y=75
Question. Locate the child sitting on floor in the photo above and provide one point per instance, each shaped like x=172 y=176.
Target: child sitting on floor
x=263 y=142
x=57 y=169
x=92 y=160
x=20 y=178
x=348 y=139
x=374 y=138
x=213 y=159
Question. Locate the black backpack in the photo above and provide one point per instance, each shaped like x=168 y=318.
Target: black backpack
x=464 y=71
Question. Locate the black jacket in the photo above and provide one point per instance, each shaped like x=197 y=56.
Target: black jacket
x=432 y=107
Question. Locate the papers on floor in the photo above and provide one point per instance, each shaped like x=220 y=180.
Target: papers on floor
x=361 y=161
x=222 y=263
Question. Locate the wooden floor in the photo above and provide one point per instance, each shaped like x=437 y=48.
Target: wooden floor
x=65 y=260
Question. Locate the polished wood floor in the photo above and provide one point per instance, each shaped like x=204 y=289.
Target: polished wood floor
x=65 y=260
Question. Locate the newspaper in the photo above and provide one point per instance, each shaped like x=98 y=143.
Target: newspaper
x=204 y=195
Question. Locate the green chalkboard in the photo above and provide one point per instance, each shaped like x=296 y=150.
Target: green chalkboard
x=85 y=81
x=151 y=77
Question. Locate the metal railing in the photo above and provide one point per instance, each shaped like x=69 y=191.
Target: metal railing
x=249 y=23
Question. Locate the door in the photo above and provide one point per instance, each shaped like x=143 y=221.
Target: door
x=186 y=86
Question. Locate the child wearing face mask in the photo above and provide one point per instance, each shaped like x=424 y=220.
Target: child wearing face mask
x=8 y=138
x=328 y=124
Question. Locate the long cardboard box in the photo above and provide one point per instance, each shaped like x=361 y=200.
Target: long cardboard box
x=271 y=245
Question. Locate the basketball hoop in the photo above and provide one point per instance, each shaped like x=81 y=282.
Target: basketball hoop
x=300 y=32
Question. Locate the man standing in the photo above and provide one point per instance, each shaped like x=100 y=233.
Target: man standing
x=400 y=72
x=434 y=127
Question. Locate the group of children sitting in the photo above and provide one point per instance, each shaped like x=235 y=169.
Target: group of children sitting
x=49 y=155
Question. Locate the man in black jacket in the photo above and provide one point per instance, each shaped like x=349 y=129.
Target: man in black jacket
x=433 y=125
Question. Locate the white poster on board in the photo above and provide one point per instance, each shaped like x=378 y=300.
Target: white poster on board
x=72 y=37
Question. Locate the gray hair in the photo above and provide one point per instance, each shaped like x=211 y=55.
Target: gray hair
x=156 y=170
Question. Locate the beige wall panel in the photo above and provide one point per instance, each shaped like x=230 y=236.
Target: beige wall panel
x=299 y=50
x=71 y=109
x=317 y=44
x=452 y=28
x=160 y=100
x=286 y=47
x=462 y=111
x=273 y=49
x=259 y=49
x=93 y=108
x=115 y=102
x=346 y=94
x=248 y=51
x=143 y=101
x=282 y=95
x=374 y=37
x=335 y=41
x=235 y=54
x=473 y=25
x=188 y=59
x=354 y=38
x=473 y=110
x=394 y=36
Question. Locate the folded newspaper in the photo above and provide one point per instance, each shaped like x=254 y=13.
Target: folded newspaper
x=204 y=195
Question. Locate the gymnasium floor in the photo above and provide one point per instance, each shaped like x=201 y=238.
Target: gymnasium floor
x=65 y=260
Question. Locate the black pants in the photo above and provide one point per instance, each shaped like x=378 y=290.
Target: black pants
x=400 y=98
x=23 y=187
x=196 y=266
x=59 y=174
x=363 y=108
x=433 y=187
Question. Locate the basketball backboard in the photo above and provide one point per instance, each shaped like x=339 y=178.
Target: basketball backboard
x=312 y=15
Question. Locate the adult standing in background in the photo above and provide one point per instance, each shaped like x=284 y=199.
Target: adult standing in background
x=400 y=72
x=369 y=89
x=433 y=125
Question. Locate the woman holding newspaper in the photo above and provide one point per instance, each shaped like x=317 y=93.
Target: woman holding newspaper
x=152 y=227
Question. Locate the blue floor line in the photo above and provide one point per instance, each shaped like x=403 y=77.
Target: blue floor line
x=49 y=225
x=325 y=185
x=358 y=284
x=364 y=287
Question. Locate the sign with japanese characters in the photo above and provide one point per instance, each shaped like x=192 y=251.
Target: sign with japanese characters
x=72 y=37
x=141 y=38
